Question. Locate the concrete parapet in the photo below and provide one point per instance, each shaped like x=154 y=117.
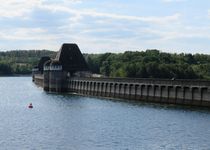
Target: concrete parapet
x=159 y=91
x=183 y=92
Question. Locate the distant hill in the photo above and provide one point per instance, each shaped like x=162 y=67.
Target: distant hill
x=134 y=64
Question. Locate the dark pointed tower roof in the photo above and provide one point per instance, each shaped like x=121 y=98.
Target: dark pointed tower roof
x=71 y=58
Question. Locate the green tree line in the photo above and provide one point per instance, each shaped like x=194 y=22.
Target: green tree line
x=21 y=61
x=134 y=64
x=151 y=64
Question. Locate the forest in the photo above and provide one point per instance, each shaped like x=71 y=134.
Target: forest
x=151 y=64
x=21 y=62
x=133 y=64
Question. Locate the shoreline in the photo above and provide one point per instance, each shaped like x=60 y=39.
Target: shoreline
x=17 y=75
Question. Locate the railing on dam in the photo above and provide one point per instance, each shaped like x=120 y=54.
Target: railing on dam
x=184 y=82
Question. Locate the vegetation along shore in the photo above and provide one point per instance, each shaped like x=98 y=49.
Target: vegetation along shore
x=135 y=64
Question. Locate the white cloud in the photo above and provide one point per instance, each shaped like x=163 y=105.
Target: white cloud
x=22 y=8
x=159 y=20
x=51 y=23
x=14 y=8
x=182 y=33
x=209 y=13
x=169 y=1
x=94 y=13
x=26 y=34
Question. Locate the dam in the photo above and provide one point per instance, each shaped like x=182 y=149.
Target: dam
x=69 y=73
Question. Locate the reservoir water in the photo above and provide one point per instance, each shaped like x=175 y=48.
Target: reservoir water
x=68 y=122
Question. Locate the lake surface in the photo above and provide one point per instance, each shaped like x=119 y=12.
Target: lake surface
x=68 y=122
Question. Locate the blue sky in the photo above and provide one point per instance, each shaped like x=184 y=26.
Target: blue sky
x=99 y=26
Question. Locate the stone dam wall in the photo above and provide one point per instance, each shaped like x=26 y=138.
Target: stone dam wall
x=181 y=92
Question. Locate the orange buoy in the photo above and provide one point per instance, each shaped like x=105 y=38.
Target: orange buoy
x=30 y=105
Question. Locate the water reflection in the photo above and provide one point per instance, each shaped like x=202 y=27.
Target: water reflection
x=75 y=122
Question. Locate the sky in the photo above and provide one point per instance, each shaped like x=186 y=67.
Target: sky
x=99 y=26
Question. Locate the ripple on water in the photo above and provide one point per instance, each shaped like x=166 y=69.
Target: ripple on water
x=74 y=122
